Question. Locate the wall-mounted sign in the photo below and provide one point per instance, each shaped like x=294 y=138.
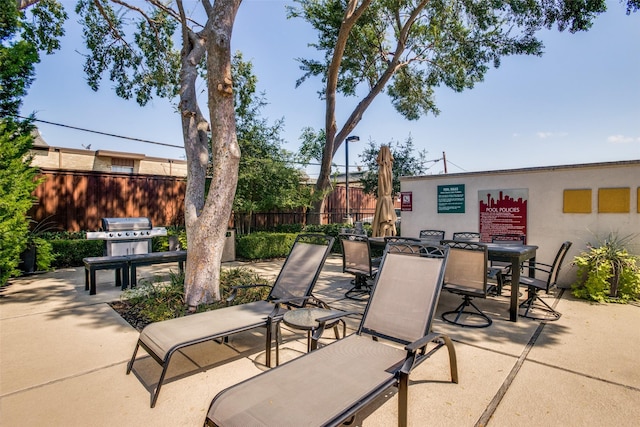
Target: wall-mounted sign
x=406 y=200
x=502 y=212
x=451 y=198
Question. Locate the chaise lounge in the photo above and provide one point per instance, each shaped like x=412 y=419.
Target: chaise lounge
x=292 y=289
x=349 y=374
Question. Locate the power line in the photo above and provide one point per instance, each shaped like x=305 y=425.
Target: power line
x=105 y=133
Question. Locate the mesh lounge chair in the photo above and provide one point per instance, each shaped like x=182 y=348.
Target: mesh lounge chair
x=356 y=260
x=330 y=385
x=291 y=289
x=466 y=275
x=535 y=285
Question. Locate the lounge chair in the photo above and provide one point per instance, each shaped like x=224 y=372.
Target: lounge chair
x=330 y=385
x=291 y=289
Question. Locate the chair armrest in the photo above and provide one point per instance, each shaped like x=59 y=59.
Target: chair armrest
x=322 y=321
x=234 y=290
x=421 y=342
x=413 y=359
x=326 y=319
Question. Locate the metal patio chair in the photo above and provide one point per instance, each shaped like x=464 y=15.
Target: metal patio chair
x=292 y=289
x=330 y=385
x=498 y=270
x=466 y=236
x=356 y=260
x=435 y=236
x=466 y=275
x=534 y=303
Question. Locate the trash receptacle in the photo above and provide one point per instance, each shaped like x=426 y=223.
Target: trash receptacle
x=229 y=251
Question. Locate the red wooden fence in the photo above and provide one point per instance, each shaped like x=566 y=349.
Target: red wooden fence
x=77 y=200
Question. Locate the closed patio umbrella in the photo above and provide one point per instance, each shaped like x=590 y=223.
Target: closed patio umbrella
x=384 y=220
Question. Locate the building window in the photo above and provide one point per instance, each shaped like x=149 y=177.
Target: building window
x=122 y=165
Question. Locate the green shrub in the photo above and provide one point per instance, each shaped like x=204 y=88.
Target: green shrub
x=69 y=253
x=288 y=228
x=264 y=245
x=45 y=255
x=161 y=243
x=601 y=265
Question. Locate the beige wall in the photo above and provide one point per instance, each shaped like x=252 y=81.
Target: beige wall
x=547 y=225
x=87 y=160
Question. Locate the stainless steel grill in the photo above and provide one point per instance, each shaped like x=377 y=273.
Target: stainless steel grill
x=126 y=236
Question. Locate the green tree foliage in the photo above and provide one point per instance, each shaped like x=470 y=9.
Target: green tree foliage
x=407 y=48
x=21 y=40
x=142 y=64
x=17 y=182
x=406 y=162
x=267 y=179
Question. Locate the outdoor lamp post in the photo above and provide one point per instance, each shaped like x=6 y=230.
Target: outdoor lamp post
x=352 y=138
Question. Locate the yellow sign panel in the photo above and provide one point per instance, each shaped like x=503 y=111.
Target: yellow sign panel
x=577 y=201
x=614 y=200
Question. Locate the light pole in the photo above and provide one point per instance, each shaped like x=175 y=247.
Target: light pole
x=352 y=138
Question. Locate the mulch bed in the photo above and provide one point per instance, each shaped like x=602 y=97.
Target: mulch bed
x=130 y=314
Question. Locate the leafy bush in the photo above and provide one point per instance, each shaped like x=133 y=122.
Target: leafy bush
x=608 y=272
x=263 y=245
x=69 y=253
x=161 y=243
x=161 y=301
x=288 y=228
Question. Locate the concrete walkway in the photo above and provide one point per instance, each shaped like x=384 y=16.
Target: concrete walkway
x=63 y=357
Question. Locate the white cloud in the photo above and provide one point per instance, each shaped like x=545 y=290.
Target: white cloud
x=545 y=135
x=622 y=139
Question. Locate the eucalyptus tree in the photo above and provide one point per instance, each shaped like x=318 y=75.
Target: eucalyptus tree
x=133 y=43
x=407 y=48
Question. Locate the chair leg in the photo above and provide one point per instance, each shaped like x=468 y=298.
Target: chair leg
x=530 y=304
x=460 y=310
x=361 y=289
x=157 y=390
x=133 y=358
x=403 y=399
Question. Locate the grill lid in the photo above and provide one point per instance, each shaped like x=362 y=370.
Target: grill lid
x=124 y=224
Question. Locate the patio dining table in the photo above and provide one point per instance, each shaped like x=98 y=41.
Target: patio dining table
x=515 y=254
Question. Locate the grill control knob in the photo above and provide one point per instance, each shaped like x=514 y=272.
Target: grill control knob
x=126 y=234
x=110 y=234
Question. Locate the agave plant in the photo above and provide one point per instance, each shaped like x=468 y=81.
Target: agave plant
x=607 y=271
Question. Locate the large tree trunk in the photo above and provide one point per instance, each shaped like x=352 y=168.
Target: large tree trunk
x=207 y=219
x=333 y=138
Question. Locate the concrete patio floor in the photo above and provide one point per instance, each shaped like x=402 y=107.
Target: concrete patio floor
x=63 y=356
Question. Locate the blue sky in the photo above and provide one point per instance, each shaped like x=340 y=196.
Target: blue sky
x=578 y=103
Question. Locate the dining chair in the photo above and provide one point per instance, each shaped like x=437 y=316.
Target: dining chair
x=466 y=275
x=435 y=236
x=534 y=303
x=466 y=236
x=357 y=260
x=503 y=267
